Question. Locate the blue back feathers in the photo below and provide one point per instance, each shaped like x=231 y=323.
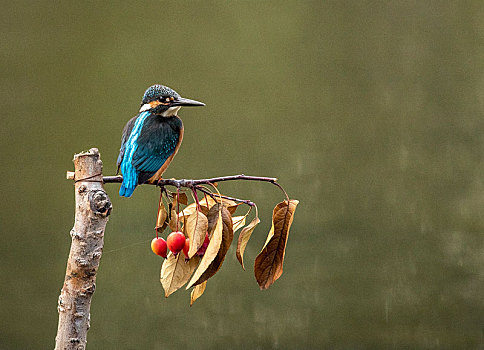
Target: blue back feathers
x=130 y=176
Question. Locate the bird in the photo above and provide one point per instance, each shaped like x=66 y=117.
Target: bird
x=152 y=138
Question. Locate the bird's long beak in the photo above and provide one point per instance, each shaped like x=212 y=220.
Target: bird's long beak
x=181 y=101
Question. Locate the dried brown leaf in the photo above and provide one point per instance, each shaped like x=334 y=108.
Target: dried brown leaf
x=206 y=204
x=204 y=210
x=196 y=228
x=226 y=202
x=197 y=292
x=244 y=237
x=238 y=222
x=189 y=210
x=208 y=201
x=182 y=198
x=213 y=216
x=161 y=220
x=175 y=272
x=268 y=264
x=192 y=208
x=210 y=253
x=227 y=237
x=173 y=219
x=232 y=207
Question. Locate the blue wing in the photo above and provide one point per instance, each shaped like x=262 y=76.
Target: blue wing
x=151 y=156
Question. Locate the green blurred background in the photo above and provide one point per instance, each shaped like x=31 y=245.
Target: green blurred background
x=369 y=113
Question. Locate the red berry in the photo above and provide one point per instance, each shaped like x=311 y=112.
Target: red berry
x=204 y=246
x=176 y=242
x=186 y=248
x=158 y=246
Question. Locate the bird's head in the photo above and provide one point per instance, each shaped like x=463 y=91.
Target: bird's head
x=164 y=101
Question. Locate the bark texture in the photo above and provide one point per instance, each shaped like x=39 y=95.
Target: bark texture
x=92 y=210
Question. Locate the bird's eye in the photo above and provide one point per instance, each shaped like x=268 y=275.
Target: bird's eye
x=167 y=99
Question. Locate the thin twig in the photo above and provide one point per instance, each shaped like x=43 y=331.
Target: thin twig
x=245 y=201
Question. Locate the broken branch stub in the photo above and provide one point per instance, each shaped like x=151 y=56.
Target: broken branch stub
x=93 y=207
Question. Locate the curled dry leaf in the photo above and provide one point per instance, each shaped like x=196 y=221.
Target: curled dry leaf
x=173 y=219
x=192 y=208
x=244 y=239
x=238 y=222
x=197 y=292
x=207 y=201
x=211 y=252
x=196 y=228
x=213 y=217
x=189 y=210
x=232 y=207
x=161 y=220
x=175 y=272
x=227 y=237
x=182 y=197
x=228 y=203
x=206 y=204
x=268 y=264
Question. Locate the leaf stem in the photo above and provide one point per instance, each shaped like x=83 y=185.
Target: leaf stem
x=195 y=198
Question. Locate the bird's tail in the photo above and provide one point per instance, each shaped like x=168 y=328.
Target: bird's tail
x=130 y=181
x=125 y=191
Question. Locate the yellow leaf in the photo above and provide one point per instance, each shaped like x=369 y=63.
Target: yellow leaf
x=189 y=210
x=192 y=208
x=268 y=264
x=208 y=201
x=210 y=253
x=175 y=272
x=196 y=228
x=197 y=292
x=244 y=239
x=238 y=222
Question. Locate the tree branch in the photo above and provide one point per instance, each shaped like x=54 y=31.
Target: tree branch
x=194 y=184
x=191 y=183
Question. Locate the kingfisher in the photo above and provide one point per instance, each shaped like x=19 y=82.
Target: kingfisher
x=152 y=138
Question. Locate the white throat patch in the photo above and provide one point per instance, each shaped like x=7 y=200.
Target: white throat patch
x=170 y=112
x=145 y=107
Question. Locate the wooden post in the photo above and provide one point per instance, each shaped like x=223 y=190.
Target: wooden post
x=92 y=210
